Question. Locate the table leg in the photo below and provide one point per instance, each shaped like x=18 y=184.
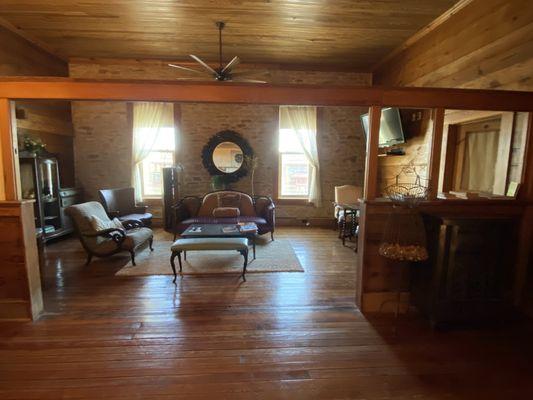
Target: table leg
x=253 y=244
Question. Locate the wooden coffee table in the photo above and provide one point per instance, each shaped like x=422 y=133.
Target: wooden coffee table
x=217 y=231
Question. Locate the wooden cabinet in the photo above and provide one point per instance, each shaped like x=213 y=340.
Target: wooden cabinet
x=468 y=276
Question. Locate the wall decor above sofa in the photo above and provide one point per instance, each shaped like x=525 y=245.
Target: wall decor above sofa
x=224 y=156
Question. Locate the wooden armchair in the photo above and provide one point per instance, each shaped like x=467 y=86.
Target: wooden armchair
x=120 y=203
x=106 y=242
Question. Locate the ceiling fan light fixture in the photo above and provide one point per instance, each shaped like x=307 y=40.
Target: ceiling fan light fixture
x=222 y=73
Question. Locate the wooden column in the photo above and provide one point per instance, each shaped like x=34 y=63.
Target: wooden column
x=437 y=116
x=371 y=168
x=525 y=237
x=20 y=280
x=9 y=185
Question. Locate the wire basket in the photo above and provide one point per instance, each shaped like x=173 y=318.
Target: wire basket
x=404 y=237
x=407 y=193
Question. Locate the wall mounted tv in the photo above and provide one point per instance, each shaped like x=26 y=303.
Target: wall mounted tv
x=390 y=129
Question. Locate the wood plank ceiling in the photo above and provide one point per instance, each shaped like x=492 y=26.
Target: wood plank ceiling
x=353 y=34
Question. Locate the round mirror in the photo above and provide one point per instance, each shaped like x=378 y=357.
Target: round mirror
x=225 y=154
x=228 y=157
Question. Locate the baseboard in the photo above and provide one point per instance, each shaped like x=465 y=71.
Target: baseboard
x=307 y=222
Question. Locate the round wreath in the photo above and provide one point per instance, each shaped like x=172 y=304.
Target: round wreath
x=209 y=148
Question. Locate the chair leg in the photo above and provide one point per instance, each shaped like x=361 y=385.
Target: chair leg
x=150 y=243
x=343 y=232
x=272 y=235
x=89 y=258
x=173 y=265
x=132 y=253
x=179 y=261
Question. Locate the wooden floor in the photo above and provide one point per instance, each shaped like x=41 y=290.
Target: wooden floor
x=279 y=335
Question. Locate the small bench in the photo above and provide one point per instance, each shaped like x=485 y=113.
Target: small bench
x=184 y=245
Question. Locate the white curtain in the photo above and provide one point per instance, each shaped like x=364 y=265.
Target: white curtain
x=302 y=120
x=479 y=166
x=148 y=119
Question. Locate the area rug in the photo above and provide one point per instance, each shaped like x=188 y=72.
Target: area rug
x=271 y=256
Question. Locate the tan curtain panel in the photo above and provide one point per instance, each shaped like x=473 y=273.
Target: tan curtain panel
x=481 y=150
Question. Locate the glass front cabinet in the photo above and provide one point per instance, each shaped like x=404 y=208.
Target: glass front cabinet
x=39 y=176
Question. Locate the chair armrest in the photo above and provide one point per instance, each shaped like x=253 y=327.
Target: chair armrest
x=113 y=214
x=140 y=209
x=269 y=213
x=181 y=212
x=116 y=234
x=132 y=224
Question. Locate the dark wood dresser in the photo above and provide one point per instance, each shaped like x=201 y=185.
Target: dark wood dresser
x=469 y=274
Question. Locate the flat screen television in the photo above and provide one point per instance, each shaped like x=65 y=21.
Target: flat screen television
x=390 y=129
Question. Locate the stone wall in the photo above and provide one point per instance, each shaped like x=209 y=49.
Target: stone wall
x=103 y=135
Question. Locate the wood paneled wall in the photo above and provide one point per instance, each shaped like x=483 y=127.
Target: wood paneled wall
x=486 y=45
x=51 y=122
x=417 y=126
x=20 y=282
x=20 y=57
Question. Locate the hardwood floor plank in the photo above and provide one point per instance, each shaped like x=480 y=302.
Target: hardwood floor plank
x=277 y=336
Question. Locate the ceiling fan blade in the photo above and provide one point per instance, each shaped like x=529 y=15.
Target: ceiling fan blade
x=248 y=73
x=185 y=68
x=203 y=64
x=248 y=80
x=195 y=79
x=233 y=63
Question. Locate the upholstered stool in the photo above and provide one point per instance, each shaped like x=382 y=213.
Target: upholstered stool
x=184 y=245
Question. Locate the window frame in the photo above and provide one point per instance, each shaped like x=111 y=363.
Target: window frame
x=176 y=151
x=292 y=200
x=280 y=186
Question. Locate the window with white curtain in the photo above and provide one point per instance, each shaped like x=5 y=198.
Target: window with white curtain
x=293 y=166
x=161 y=155
x=154 y=145
x=298 y=154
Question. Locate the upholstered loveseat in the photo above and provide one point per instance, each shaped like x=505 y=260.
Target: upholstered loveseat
x=203 y=210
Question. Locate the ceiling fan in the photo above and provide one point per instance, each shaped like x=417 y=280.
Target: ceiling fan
x=222 y=73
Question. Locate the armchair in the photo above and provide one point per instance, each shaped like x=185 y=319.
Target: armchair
x=106 y=242
x=120 y=203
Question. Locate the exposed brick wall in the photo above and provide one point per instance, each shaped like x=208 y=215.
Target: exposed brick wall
x=102 y=146
x=103 y=137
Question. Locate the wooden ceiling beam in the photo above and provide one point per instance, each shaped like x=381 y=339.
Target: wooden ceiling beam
x=31 y=39
x=226 y=92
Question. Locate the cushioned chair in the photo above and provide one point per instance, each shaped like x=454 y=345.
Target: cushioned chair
x=108 y=241
x=196 y=210
x=120 y=203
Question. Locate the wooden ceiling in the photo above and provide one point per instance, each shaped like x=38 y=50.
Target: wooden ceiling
x=353 y=34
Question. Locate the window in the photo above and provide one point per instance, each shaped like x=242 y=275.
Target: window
x=160 y=156
x=293 y=166
x=298 y=163
x=154 y=144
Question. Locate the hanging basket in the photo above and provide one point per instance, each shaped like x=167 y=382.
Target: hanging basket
x=404 y=238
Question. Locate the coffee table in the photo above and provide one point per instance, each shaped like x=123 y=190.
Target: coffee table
x=217 y=231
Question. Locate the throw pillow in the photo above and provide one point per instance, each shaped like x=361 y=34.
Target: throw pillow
x=99 y=225
x=229 y=200
x=226 y=212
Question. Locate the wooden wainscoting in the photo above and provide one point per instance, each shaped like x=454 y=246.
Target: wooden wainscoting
x=20 y=280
